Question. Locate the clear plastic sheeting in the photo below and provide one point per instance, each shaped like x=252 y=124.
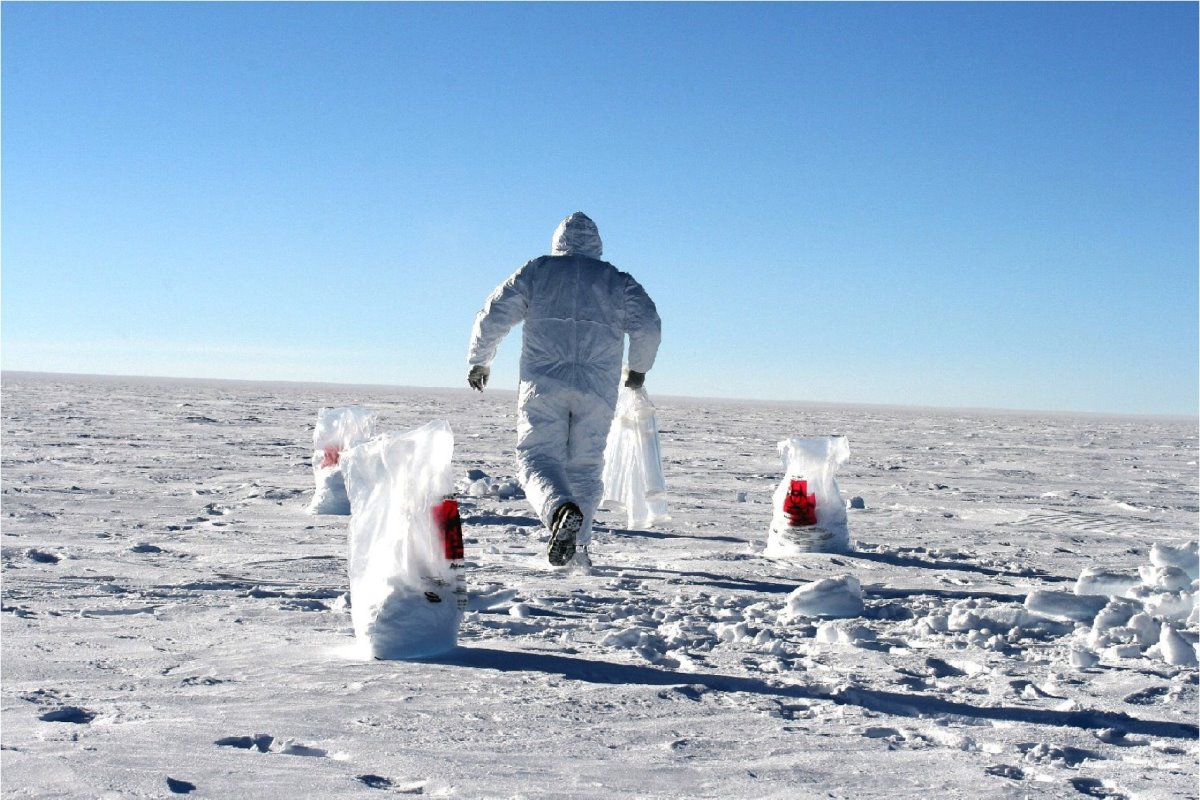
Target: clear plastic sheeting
x=809 y=513
x=338 y=429
x=405 y=583
x=633 y=476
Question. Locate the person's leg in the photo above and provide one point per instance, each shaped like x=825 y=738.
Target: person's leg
x=591 y=418
x=542 y=436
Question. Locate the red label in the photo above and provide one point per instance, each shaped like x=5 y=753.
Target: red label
x=445 y=516
x=332 y=454
x=799 y=505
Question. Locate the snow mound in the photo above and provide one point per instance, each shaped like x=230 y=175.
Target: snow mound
x=477 y=483
x=839 y=596
x=1108 y=583
x=838 y=632
x=1186 y=557
x=1064 y=605
x=1150 y=612
x=1174 y=648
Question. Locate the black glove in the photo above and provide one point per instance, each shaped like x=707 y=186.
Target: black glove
x=634 y=380
x=478 y=377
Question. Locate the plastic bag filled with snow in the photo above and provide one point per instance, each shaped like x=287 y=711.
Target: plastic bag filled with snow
x=338 y=429
x=809 y=514
x=406 y=592
x=633 y=476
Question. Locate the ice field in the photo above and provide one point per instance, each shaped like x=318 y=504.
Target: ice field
x=174 y=623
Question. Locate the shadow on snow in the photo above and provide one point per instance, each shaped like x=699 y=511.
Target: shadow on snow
x=893 y=703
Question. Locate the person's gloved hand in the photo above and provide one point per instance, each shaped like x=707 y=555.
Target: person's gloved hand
x=634 y=380
x=478 y=377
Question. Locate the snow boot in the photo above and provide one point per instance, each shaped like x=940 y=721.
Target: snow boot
x=564 y=528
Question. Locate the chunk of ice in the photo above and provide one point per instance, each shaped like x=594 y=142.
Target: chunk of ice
x=1064 y=605
x=1185 y=556
x=1105 y=582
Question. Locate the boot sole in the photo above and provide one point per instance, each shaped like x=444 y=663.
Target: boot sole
x=562 y=540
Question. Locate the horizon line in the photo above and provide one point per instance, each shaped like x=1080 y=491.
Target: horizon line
x=6 y=374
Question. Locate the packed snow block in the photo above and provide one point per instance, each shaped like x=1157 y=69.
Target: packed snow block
x=1066 y=606
x=1115 y=614
x=966 y=616
x=1173 y=606
x=837 y=597
x=1165 y=578
x=809 y=514
x=634 y=483
x=1082 y=658
x=338 y=429
x=1174 y=648
x=1106 y=582
x=1186 y=557
x=406 y=588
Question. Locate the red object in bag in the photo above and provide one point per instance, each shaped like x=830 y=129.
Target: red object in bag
x=332 y=456
x=799 y=505
x=445 y=514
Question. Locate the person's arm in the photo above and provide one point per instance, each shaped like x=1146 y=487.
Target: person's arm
x=504 y=308
x=644 y=328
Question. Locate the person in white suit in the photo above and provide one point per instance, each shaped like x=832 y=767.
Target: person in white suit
x=577 y=311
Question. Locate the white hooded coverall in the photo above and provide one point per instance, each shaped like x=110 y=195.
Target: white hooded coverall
x=577 y=310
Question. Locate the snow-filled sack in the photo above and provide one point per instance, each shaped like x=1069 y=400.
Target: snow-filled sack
x=338 y=429
x=633 y=476
x=809 y=513
x=407 y=593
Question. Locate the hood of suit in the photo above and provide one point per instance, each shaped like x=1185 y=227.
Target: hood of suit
x=576 y=235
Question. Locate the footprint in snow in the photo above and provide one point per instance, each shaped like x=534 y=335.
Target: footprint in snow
x=943 y=669
x=297 y=749
x=180 y=787
x=1042 y=753
x=54 y=709
x=1006 y=771
x=265 y=743
x=260 y=741
x=196 y=680
x=281 y=494
x=694 y=692
x=1148 y=697
x=380 y=782
x=42 y=556
x=72 y=714
x=1093 y=787
x=882 y=733
x=303 y=605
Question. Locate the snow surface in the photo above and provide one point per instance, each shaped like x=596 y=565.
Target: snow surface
x=174 y=623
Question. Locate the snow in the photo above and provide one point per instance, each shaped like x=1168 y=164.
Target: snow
x=839 y=596
x=1020 y=592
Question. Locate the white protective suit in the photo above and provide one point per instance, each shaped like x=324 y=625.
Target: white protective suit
x=577 y=310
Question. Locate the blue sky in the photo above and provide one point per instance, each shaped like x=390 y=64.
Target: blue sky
x=984 y=204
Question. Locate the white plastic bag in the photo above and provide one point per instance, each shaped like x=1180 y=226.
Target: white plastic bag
x=809 y=513
x=407 y=591
x=633 y=474
x=338 y=429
